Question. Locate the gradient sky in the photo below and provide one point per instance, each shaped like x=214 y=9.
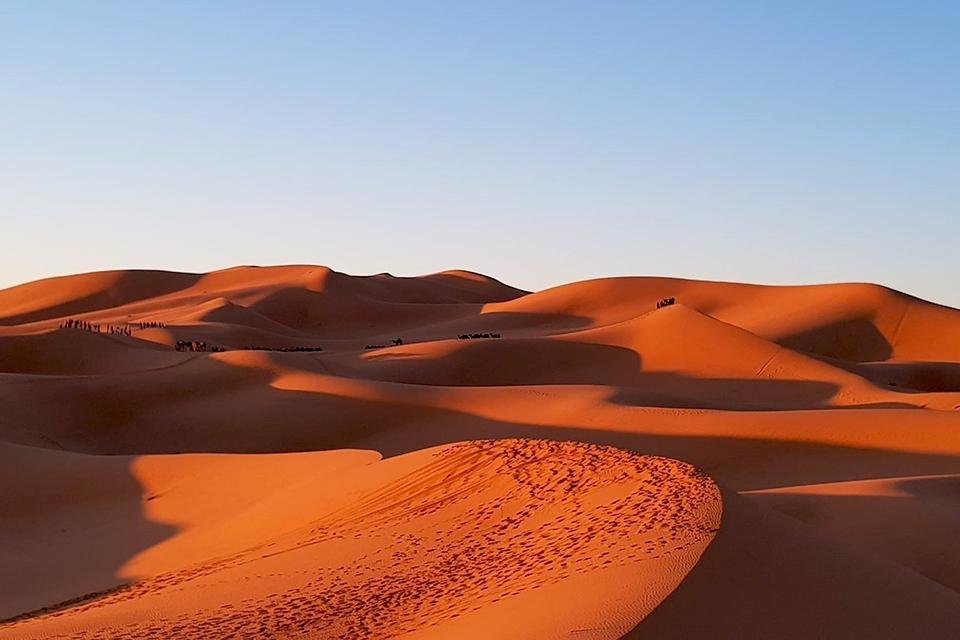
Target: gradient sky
x=539 y=143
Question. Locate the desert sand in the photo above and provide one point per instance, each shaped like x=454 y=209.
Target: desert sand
x=294 y=452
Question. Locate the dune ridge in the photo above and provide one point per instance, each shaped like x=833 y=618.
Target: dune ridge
x=472 y=530
x=450 y=456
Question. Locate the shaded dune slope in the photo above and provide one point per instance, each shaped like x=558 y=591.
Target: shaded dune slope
x=74 y=353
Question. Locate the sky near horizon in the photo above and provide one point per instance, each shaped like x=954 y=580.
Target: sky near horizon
x=539 y=143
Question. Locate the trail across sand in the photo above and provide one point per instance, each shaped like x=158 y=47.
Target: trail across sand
x=514 y=538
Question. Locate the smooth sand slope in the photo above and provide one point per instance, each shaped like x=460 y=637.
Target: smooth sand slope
x=297 y=476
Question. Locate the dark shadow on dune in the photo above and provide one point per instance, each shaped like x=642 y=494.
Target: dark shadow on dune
x=917 y=530
x=234 y=315
x=767 y=576
x=663 y=389
x=513 y=362
x=508 y=323
x=360 y=306
x=737 y=462
x=492 y=362
x=855 y=340
x=71 y=522
x=936 y=488
x=351 y=318
x=922 y=377
x=349 y=315
x=240 y=336
x=66 y=352
x=212 y=406
x=131 y=286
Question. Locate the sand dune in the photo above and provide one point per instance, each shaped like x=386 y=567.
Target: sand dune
x=76 y=353
x=912 y=521
x=80 y=294
x=374 y=456
x=481 y=538
x=675 y=352
x=765 y=576
x=858 y=322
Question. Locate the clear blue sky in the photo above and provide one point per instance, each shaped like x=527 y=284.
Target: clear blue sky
x=536 y=142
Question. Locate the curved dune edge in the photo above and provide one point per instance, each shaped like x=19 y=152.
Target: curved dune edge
x=829 y=414
x=494 y=538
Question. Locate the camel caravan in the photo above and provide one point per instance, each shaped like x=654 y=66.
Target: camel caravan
x=197 y=345
x=111 y=329
x=151 y=325
x=201 y=346
x=396 y=342
x=460 y=336
x=284 y=349
x=180 y=345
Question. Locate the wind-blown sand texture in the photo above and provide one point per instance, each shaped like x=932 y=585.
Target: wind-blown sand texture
x=343 y=460
x=470 y=540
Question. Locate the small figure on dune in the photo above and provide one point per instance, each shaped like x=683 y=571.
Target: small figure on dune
x=196 y=345
x=666 y=302
x=151 y=325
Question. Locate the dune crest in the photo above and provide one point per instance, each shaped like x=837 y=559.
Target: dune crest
x=293 y=451
x=514 y=538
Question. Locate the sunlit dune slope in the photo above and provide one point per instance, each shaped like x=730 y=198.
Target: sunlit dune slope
x=857 y=322
x=508 y=539
x=299 y=297
x=79 y=294
x=860 y=322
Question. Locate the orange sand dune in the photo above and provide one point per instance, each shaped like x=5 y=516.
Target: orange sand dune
x=75 y=353
x=924 y=508
x=675 y=352
x=150 y=492
x=860 y=322
x=472 y=540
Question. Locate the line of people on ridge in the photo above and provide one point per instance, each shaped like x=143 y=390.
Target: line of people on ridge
x=296 y=349
x=196 y=345
x=83 y=325
x=396 y=342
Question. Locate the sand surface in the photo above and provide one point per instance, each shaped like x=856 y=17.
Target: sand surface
x=447 y=456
